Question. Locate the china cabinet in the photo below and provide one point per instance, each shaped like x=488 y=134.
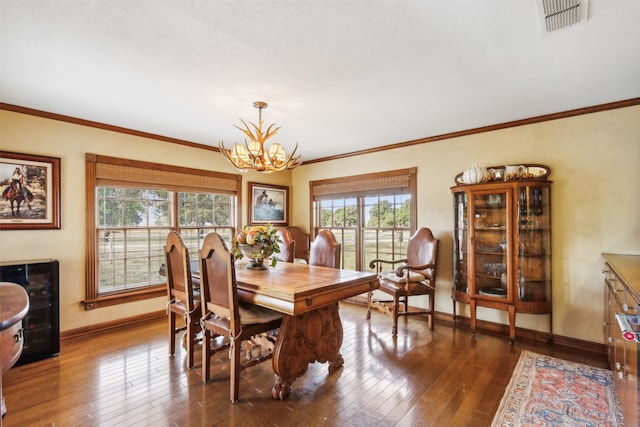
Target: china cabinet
x=502 y=244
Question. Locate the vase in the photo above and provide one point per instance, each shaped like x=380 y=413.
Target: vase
x=256 y=264
x=256 y=256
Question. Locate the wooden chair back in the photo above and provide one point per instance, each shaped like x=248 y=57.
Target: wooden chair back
x=422 y=250
x=223 y=314
x=302 y=240
x=287 y=246
x=218 y=290
x=180 y=291
x=179 y=283
x=325 y=250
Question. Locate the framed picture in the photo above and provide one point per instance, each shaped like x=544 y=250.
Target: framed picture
x=268 y=204
x=30 y=188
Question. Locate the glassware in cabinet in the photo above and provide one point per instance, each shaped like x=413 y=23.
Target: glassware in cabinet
x=489 y=242
x=460 y=254
x=534 y=249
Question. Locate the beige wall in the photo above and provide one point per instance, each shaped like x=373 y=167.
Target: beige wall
x=595 y=163
x=27 y=134
x=596 y=204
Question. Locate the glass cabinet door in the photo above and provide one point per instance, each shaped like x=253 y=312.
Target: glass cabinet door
x=491 y=244
x=460 y=231
x=533 y=269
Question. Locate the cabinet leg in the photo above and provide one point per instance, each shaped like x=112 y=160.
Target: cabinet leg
x=472 y=307
x=512 y=324
x=454 y=312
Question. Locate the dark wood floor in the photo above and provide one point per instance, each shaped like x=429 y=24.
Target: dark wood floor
x=422 y=378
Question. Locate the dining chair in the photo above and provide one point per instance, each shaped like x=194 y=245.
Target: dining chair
x=224 y=315
x=325 y=250
x=287 y=246
x=182 y=300
x=416 y=275
x=302 y=243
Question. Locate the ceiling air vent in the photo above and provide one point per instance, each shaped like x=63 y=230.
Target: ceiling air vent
x=562 y=13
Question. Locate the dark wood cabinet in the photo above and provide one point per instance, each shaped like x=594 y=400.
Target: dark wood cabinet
x=502 y=247
x=622 y=331
x=42 y=322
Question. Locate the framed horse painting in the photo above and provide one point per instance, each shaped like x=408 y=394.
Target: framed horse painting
x=268 y=204
x=30 y=188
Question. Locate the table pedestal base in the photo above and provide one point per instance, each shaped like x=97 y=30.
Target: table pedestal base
x=303 y=339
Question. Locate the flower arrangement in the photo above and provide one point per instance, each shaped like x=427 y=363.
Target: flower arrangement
x=257 y=243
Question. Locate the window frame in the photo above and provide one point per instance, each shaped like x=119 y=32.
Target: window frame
x=111 y=171
x=358 y=186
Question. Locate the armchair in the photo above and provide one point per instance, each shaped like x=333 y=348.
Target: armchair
x=414 y=275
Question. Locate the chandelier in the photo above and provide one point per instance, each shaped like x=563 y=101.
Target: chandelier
x=252 y=155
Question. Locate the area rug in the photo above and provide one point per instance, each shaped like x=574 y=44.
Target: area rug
x=545 y=391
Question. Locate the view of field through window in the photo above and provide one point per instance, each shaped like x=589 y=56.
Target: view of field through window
x=368 y=226
x=132 y=226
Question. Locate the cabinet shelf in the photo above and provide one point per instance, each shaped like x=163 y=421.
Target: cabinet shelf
x=490 y=207
x=488 y=276
x=534 y=280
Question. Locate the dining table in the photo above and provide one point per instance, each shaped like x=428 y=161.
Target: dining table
x=308 y=296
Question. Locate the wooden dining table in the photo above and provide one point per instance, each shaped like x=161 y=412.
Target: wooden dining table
x=308 y=296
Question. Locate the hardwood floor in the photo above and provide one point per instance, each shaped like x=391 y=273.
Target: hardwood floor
x=125 y=377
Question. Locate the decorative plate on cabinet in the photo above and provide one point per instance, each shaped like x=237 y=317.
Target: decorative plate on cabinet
x=494 y=292
x=497 y=173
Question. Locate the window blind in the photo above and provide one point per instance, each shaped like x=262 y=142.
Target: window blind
x=111 y=171
x=403 y=179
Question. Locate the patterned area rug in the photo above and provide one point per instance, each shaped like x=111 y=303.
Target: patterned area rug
x=545 y=391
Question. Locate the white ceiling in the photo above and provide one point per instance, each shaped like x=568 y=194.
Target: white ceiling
x=339 y=76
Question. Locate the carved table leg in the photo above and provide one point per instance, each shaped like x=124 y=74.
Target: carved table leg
x=303 y=339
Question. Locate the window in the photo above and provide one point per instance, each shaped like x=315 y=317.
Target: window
x=135 y=205
x=202 y=213
x=371 y=215
x=132 y=225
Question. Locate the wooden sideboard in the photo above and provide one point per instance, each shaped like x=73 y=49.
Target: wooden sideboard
x=14 y=305
x=622 y=298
